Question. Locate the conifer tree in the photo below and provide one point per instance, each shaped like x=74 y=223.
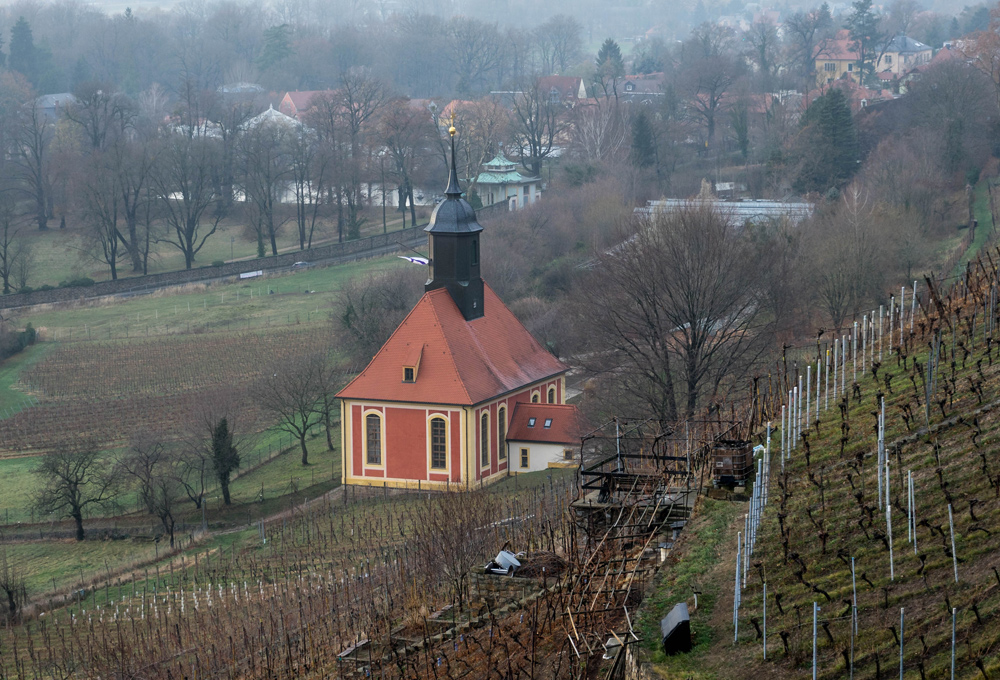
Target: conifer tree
x=225 y=458
x=827 y=145
x=643 y=141
x=22 y=50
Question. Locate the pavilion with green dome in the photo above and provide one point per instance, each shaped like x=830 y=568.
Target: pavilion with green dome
x=500 y=180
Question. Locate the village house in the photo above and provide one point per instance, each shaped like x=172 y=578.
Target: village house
x=298 y=104
x=501 y=181
x=543 y=436
x=565 y=90
x=433 y=408
x=838 y=60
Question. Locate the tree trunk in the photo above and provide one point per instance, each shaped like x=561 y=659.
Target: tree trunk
x=413 y=207
x=305 y=451
x=224 y=484
x=77 y=516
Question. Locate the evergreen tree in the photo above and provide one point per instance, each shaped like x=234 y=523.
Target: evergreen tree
x=277 y=46
x=225 y=458
x=22 y=50
x=609 y=60
x=643 y=141
x=866 y=38
x=828 y=145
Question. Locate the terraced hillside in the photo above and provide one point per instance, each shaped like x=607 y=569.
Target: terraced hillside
x=940 y=387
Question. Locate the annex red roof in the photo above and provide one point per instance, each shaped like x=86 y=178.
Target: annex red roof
x=528 y=424
x=461 y=362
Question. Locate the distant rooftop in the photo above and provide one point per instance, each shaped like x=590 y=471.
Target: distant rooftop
x=739 y=212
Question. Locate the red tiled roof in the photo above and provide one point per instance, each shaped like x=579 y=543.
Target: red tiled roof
x=462 y=362
x=837 y=49
x=302 y=99
x=564 y=427
x=569 y=86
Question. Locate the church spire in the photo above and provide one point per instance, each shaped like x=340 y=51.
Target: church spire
x=453 y=190
x=453 y=235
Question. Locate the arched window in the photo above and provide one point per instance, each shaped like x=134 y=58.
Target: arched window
x=484 y=440
x=552 y=395
x=439 y=443
x=534 y=397
x=373 y=439
x=502 y=432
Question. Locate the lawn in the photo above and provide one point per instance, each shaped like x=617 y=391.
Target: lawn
x=280 y=299
x=60 y=255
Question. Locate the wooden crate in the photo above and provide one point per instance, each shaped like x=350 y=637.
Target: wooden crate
x=732 y=462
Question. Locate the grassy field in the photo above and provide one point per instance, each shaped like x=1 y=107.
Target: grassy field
x=60 y=255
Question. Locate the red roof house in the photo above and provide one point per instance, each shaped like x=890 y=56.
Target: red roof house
x=297 y=104
x=433 y=407
x=543 y=436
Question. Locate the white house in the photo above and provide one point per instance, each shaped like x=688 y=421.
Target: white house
x=500 y=181
x=543 y=436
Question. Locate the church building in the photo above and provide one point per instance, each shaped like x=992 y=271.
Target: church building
x=434 y=406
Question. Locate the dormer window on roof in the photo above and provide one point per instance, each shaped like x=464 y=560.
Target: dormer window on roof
x=411 y=363
x=531 y=422
x=548 y=423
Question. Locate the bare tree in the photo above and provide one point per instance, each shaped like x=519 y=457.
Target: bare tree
x=559 y=42
x=537 y=124
x=12 y=247
x=325 y=117
x=806 y=35
x=73 y=479
x=101 y=112
x=264 y=154
x=475 y=51
x=293 y=391
x=689 y=321
x=369 y=309
x=31 y=156
x=708 y=70
x=363 y=95
x=408 y=135
x=184 y=179
x=13 y=588
x=102 y=195
x=154 y=473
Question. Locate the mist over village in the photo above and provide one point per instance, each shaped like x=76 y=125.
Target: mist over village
x=567 y=340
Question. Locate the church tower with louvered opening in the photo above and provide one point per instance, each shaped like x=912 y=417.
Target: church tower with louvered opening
x=453 y=242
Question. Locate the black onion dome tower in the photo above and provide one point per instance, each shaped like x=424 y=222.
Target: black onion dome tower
x=453 y=235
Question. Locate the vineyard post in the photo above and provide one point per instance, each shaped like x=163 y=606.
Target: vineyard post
x=854 y=589
x=736 y=589
x=901 y=610
x=826 y=406
x=854 y=351
x=843 y=368
x=783 y=438
x=815 y=611
x=913 y=305
x=953 y=610
x=913 y=504
x=902 y=312
x=836 y=366
x=854 y=619
x=864 y=340
x=954 y=555
x=892 y=315
x=808 y=394
x=909 y=506
x=819 y=373
x=765 y=621
x=888 y=526
x=881 y=311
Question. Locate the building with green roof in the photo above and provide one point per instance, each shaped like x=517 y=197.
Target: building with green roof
x=501 y=181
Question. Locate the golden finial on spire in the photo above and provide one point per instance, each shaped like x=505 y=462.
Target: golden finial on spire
x=452 y=130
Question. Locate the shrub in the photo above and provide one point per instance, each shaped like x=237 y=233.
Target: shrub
x=46 y=286
x=218 y=263
x=25 y=289
x=79 y=282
